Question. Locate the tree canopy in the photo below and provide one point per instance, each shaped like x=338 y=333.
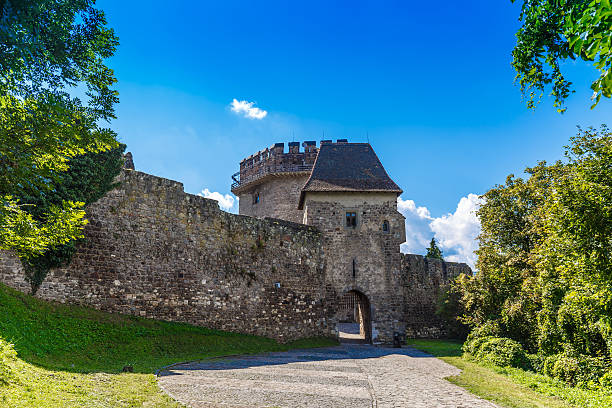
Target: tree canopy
x=545 y=258
x=553 y=31
x=50 y=51
x=434 y=251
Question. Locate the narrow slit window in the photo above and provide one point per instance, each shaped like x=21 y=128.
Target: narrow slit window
x=385 y=226
x=256 y=198
x=351 y=219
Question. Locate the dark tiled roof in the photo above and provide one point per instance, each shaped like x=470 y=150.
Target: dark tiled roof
x=348 y=167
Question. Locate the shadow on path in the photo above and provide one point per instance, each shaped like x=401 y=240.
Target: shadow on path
x=346 y=376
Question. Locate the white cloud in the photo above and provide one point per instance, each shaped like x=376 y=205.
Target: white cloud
x=247 y=109
x=456 y=233
x=418 y=232
x=226 y=202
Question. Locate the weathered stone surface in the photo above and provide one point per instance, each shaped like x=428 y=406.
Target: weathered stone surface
x=12 y=273
x=367 y=279
x=364 y=258
x=278 y=197
x=422 y=280
x=152 y=250
x=271 y=180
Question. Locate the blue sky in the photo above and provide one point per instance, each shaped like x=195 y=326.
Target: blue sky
x=430 y=83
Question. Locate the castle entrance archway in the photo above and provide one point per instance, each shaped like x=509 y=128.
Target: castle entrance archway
x=354 y=318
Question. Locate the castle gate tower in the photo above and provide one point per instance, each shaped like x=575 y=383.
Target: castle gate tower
x=353 y=201
x=343 y=190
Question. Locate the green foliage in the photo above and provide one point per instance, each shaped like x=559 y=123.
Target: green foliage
x=449 y=308
x=605 y=381
x=433 y=251
x=576 y=369
x=78 y=339
x=88 y=178
x=557 y=30
x=499 y=351
x=21 y=232
x=47 y=50
x=545 y=256
x=512 y=387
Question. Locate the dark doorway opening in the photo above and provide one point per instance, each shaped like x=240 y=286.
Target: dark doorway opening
x=355 y=324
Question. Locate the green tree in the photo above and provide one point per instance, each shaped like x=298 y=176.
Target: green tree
x=553 y=31
x=545 y=258
x=49 y=51
x=433 y=251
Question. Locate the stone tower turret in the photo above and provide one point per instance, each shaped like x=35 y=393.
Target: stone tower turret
x=270 y=181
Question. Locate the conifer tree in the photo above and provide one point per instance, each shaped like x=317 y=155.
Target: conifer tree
x=434 y=251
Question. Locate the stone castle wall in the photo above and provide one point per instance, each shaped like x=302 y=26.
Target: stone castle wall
x=276 y=160
x=152 y=250
x=422 y=280
x=278 y=198
x=270 y=181
x=365 y=259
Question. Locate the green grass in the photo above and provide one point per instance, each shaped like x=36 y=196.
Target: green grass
x=511 y=387
x=72 y=356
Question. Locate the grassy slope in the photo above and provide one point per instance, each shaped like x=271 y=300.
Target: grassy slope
x=511 y=387
x=73 y=356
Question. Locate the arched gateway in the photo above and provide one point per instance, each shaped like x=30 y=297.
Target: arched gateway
x=354 y=316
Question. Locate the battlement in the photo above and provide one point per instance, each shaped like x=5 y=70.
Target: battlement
x=275 y=161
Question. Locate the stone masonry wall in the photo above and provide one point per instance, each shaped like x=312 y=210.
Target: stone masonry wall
x=152 y=250
x=278 y=198
x=375 y=254
x=423 y=279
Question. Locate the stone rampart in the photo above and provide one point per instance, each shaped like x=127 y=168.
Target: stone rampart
x=423 y=279
x=152 y=250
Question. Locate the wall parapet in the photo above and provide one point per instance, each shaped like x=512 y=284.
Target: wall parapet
x=274 y=161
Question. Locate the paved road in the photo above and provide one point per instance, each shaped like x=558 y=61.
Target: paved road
x=348 y=376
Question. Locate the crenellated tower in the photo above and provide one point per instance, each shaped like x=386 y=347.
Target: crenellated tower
x=343 y=190
x=270 y=181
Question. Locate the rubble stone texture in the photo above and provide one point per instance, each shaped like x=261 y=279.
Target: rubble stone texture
x=153 y=250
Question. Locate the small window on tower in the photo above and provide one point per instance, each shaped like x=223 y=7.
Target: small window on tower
x=385 y=226
x=255 y=198
x=351 y=219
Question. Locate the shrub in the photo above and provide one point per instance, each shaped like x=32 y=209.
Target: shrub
x=536 y=362
x=472 y=346
x=488 y=329
x=502 y=352
x=577 y=369
x=480 y=334
x=605 y=380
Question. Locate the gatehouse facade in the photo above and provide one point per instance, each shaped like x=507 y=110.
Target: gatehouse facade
x=343 y=190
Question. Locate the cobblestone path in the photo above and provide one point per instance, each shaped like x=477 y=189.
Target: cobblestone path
x=348 y=376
